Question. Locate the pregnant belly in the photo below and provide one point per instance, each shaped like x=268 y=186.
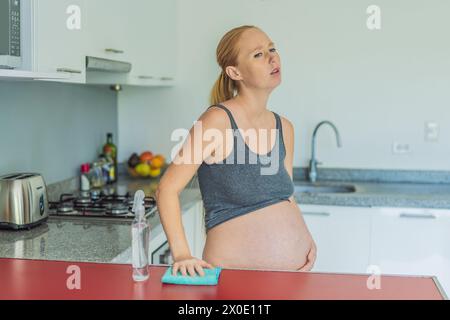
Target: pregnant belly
x=271 y=238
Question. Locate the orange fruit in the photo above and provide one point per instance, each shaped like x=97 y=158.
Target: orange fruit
x=158 y=161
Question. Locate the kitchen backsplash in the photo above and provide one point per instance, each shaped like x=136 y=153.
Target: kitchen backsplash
x=51 y=128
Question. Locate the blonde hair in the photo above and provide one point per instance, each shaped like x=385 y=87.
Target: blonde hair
x=227 y=54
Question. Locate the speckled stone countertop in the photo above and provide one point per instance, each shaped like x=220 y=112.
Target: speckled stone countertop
x=373 y=194
x=84 y=239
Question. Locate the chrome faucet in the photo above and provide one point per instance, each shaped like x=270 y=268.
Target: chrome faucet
x=312 y=171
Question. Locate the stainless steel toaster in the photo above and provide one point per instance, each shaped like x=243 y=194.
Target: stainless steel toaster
x=23 y=201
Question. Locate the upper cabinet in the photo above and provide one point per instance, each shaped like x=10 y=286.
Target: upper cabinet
x=59 y=38
x=142 y=32
x=108 y=28
x=59 y=34
x=155 y=53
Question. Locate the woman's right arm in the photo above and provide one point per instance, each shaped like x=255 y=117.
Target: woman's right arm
x=177 y=176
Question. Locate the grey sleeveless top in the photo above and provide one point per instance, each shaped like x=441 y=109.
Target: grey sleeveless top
x=244 y=181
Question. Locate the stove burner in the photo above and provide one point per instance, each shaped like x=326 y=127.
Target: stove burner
x=117 y=210
x=95 y=194
x=83 y=201
x=65 y=208
x=98 y=204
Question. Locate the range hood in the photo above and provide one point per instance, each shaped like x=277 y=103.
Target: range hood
x=107 y=65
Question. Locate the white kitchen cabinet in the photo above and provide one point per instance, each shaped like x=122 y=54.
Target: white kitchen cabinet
x=142 y=32
x=192 y=223
x=194 y=228
x=59 y=38
x=411 y=241
x=199 y=230
x=154 y=53
x=59 y=34
x=342 y=236
x=108 y=25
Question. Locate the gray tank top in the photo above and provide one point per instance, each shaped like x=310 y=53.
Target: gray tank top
x=237 y=186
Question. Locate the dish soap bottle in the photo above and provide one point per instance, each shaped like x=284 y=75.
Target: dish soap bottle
x=140 y=233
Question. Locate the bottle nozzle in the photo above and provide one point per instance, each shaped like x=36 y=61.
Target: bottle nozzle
x=138 y=204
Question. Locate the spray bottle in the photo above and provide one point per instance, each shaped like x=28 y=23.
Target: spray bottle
x=140 y=233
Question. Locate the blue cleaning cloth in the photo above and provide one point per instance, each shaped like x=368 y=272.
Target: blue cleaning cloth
x=211 y=278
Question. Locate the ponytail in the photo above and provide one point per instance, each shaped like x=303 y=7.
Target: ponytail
x=227 y=53
x=224 y=89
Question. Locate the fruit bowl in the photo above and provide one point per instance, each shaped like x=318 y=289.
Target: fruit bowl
x=132 y=172
x=146 y=165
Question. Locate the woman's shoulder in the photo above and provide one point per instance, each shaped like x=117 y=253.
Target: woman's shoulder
x=215 y=117
x=286 y=123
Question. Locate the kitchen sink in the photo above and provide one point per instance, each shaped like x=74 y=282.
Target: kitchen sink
x=321 y=188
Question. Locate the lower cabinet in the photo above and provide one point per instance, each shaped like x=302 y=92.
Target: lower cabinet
x=159 y=249
x=197 y=234
x=412 y=242
x=342 y=236
x=397 y=241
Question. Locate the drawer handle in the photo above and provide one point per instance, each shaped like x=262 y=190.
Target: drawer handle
x=166 y=78
x=145 y=77
x=319 y=214
x=111 y=50
x=417 y=216
x=68 y=70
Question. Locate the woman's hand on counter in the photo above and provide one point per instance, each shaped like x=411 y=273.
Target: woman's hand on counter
x=311 y=258
x=191 y=265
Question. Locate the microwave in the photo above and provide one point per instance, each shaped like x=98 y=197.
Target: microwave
x=10 y=51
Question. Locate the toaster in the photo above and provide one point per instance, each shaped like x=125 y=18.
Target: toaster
x=23 y=201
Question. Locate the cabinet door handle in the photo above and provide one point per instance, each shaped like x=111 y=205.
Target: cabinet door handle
x=145 y=77
x=111 y=50
x=319 y=214
x=166 y=78
x=68 y=70
x=417 y=216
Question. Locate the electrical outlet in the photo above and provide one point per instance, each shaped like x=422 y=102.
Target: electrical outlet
x=431 y=131
x=401 y=148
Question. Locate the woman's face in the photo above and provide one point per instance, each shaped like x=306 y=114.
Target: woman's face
x=259 y=64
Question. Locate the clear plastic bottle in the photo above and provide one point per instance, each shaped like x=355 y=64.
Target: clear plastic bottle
x=140 y=233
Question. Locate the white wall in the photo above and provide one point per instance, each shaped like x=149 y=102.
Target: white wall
x=376 y=86
x=52 y=128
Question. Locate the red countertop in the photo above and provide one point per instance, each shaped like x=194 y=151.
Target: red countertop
x=36 y=279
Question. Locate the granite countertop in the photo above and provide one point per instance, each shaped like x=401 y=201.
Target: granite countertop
x=84 y=239
x=380 y=194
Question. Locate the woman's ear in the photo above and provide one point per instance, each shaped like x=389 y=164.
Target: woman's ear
x=233 y=73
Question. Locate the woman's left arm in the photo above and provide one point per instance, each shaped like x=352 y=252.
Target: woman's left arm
x=288 y=137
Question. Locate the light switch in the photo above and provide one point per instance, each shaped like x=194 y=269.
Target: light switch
x=431 y=131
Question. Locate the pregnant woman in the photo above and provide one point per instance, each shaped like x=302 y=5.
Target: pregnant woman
x=245 y=177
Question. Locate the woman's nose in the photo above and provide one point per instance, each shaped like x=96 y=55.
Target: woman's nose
x=272 y=58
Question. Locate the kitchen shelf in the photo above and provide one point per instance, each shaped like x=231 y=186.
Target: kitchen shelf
x=30 y=75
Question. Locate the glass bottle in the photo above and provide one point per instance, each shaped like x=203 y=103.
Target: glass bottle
x=110 y=151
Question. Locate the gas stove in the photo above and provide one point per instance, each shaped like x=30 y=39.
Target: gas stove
x=98 y=204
